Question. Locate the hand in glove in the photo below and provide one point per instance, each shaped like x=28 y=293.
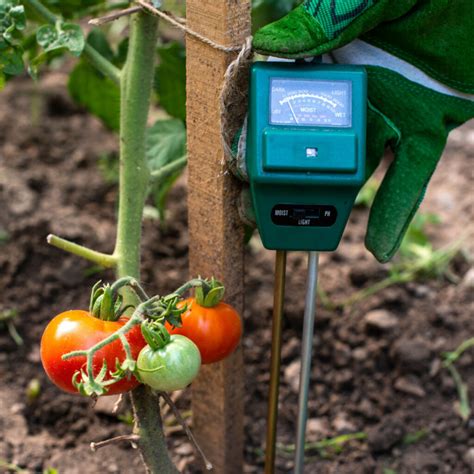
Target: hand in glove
x=420 y=63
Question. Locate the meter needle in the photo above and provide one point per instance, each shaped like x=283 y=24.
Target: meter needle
x=272 y=418
x=293 y=112
x=305 y=374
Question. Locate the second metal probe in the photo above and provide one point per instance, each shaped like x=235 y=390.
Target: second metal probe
x=306 y=351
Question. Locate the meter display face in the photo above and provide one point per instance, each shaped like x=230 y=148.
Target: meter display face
x=310 y=103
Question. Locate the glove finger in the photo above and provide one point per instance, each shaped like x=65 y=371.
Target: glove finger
x=423 y=117
x=401 y=193
x=381 y=132
x=318 y=26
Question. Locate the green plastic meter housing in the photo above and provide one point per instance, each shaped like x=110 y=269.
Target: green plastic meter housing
x=306 y=137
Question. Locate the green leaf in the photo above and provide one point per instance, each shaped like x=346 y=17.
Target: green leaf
x=416 y=235
x=12 y=23
x=61 y=36
x=11 y=61
x=98 y=94
x=166 y=142
x=12 y=19
x=170 y=79
x=70 y=8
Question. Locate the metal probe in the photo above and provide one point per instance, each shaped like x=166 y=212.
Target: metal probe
x=272 y=417
x=307 y=345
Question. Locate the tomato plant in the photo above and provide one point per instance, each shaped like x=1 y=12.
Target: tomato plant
x=116 y=81
x=167 y=363
x=79 y=330
x=215 y=330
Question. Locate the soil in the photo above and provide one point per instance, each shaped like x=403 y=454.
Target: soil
x=376 y=365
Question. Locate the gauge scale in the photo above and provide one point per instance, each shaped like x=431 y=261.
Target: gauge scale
x=305 y=153
x=306 y=103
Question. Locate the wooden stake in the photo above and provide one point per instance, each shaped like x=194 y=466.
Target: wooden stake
x=216 y=234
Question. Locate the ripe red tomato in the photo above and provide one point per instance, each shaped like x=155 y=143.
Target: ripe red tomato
x=216 y=330
x=79 y=330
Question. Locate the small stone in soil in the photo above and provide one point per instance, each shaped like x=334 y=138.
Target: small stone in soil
x=342 y=424
x=360 y=353
x=412 y=355
x=184 y=449
x=410 y=385
x=291 y=349
x=105 y=405
x=381 y=319
x=421 y=461
x=317 y=428
x=292 y=375
x=468 y=280
x=469 y=458
x=384 y=436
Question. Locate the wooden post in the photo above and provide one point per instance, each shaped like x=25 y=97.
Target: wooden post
x=216 y=234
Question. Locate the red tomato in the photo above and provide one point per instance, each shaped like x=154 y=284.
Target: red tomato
x=79 y=330
x=216 y=331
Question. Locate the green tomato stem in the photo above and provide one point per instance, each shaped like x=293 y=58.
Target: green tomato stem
x=134 y=173
x=136 y=88
x=95 y=58
x=167 y=170
x=194 y=283
x=126 y=347
x=102 y=259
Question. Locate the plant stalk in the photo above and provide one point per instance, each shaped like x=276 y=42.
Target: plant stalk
x=167 y=170
x=136 y=87
x=102 y=259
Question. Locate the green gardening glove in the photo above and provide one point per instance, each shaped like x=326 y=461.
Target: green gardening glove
x=420 y=61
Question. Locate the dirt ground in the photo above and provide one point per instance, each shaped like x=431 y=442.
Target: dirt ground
x=376 y=365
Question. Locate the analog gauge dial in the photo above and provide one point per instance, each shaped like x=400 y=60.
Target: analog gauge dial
x=310 y=103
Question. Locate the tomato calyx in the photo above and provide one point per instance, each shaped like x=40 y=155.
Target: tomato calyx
x=208 y=293
x=155 y=334
x=91 y=386
x=106 y=303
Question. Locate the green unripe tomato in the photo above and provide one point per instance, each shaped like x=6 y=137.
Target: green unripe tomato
x=171 y=367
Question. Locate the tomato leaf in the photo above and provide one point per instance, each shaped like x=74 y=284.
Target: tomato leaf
x=69 y=8
x=61 y=36
x=170 y=79
x=13 y=19
x=98 y=94
x=11 y=61
x=12 y=23
x=165 y=142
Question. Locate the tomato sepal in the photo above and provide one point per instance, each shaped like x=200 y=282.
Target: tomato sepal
x=92 y=386
x=210 y=293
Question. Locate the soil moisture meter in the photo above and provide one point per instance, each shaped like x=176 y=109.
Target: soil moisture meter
x=305 y=151
x=306 y=142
